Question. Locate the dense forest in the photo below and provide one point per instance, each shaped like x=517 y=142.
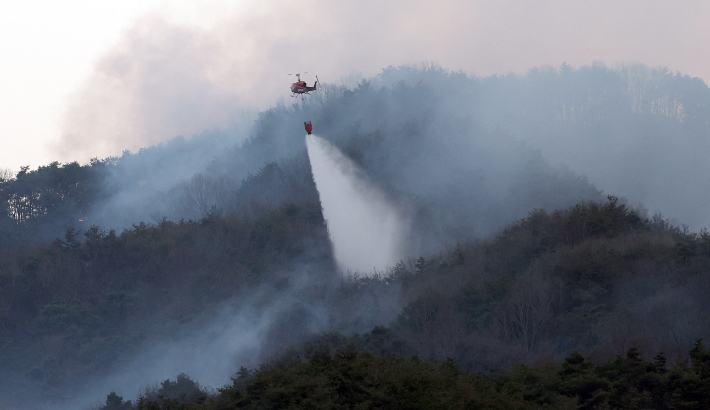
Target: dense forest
x=525 y=285
x=332 y=373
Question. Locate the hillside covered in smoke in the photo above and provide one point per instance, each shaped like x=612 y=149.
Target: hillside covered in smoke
x=209 y=253
x=479 y=151
x=204 y=298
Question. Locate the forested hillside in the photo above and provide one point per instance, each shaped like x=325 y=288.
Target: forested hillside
x=436 y=140
x=596 y=278
x=334 y=373
x=79 y=306
x=206 y=254
x=629 y=292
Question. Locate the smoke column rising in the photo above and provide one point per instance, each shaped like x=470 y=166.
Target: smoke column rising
x=366 y=230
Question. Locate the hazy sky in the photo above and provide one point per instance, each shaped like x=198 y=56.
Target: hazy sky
x=82 y=79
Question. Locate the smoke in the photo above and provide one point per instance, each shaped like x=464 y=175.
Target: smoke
x=160 y=82
x=208 y=355
x=366 y=230
x=245 y=332
x=165 y=79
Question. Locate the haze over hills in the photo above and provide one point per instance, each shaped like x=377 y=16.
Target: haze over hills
x=219 y=240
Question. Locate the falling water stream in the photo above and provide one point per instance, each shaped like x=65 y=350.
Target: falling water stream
x=367 y=232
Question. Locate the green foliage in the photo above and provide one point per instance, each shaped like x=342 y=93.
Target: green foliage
x=85 y=298
x=550 y=284
x=609 y=219
x=115 y=402
x=596 y=277
x=173 y=394
x=700 y=358
x=47 y=199
x=346 y=378
x=334 y=374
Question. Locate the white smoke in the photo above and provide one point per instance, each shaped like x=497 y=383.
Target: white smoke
x=367 y=231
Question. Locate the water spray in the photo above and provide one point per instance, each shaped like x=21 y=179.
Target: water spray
x=366 y=230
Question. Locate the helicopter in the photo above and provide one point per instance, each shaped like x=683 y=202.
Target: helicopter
x=300 y=87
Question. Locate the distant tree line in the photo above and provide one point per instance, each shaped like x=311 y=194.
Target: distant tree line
x=333 y=373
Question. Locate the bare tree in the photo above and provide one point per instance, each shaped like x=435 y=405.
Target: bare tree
x=526 y=313
x=6 y=174
x=198 y=197
x=436 y=327
x=326 y=93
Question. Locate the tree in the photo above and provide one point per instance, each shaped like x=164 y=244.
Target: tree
x=115 y=402
x=528 y=310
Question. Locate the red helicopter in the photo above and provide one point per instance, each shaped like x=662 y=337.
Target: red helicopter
x=301 y=88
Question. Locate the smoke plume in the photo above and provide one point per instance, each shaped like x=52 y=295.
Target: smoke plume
x=165 y=79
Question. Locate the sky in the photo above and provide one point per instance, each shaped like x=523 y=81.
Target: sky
x=82 y=79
